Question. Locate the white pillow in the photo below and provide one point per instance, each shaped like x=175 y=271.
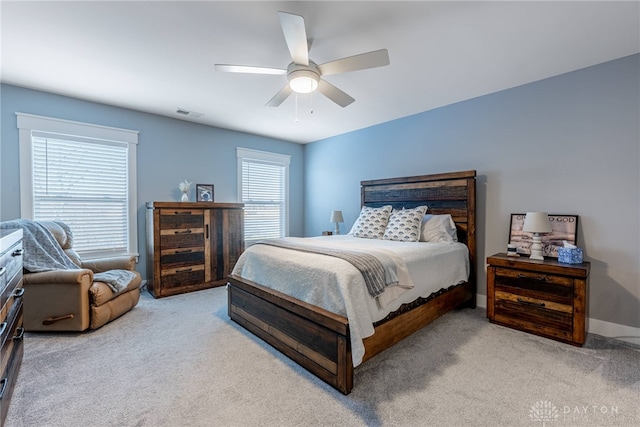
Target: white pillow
x=404 y=224
x=372 y=222
x=438 y=228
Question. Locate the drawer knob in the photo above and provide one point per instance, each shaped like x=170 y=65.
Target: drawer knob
x=17 y=252
x=183 y=232
x=2 y=271
x=537 y=304
x=3 y=327
x=540 y=278
x=19 y=335
x=18 y=293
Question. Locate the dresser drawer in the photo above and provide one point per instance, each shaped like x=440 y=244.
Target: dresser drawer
x=181 y=257
x=181 y=218
x=177 y=239
x=11 y=358
x=12 y=295
x=10 y=270
x=183 y=276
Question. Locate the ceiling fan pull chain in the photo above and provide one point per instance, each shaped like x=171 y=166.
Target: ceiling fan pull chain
x=311 y=103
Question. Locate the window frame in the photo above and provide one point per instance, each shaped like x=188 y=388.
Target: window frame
x=265 y=157
x=29 y=123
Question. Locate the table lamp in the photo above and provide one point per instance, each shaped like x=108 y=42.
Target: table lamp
x=336 y=217
x=536 y=223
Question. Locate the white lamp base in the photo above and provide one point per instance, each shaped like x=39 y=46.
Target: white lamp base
x=536 y=248
x=337 y=230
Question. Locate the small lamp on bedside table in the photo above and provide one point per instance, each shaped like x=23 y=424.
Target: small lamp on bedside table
x=336 y=217
x=536 y=223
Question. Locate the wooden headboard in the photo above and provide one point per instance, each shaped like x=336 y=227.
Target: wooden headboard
x=444 y=193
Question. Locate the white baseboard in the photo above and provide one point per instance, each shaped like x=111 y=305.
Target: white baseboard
x=625 y=333
x=481 y=301
x=614 y=330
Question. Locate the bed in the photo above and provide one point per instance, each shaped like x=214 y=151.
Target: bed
x=321 y=340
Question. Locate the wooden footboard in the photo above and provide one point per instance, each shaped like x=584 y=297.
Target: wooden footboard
x=319 y=340
x=316 y=339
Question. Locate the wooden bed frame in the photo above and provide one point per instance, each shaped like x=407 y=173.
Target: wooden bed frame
x=319 y=340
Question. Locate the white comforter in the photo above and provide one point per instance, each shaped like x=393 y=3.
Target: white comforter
x=337 y=286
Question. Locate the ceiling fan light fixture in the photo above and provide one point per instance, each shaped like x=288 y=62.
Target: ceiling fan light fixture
x=303 y=81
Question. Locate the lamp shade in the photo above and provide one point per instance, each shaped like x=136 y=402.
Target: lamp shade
x=336 y=216
x=537 y=222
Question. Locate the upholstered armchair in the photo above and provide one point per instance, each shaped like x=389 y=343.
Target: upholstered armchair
x=73 y=299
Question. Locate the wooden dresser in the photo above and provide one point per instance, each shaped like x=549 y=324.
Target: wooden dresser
x=11 y=329
x=545 y=298
x=192 y=245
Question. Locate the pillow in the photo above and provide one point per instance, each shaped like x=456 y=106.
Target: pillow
x=438 y=228
x=404 y=225
x=372 y=222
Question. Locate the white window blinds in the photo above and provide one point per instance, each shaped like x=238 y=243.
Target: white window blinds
x=263 y=188
x=83 y=184
x=83 y=180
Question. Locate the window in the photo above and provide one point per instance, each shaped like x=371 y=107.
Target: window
x=263 y=187
x=83 y=175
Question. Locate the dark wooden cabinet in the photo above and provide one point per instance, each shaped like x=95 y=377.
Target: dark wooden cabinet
x=545 y=298
x=11 y=318
x=192 y=245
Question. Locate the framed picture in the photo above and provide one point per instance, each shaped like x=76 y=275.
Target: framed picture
x=204 y=192
x=563 y=227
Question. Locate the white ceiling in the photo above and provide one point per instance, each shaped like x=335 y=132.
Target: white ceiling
x=159 y=56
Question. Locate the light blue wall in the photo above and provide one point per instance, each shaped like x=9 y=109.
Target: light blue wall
x=565 y=145
x=169 y=151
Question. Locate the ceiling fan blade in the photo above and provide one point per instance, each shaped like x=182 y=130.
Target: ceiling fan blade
x=249 y=69
x=376 y=58
x=296 y=37
x=334 y=94
x=279 y=97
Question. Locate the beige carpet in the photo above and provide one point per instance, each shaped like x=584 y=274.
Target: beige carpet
x=180 y=361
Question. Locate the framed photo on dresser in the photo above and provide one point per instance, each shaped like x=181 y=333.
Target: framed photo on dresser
x=204 y=192
x=563 y=227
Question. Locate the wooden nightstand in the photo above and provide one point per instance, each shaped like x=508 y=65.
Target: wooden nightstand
x=545 y=298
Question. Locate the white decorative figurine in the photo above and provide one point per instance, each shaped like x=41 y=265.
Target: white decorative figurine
x=184 y=187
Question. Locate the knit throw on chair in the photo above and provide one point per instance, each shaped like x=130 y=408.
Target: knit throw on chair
x=43 y=253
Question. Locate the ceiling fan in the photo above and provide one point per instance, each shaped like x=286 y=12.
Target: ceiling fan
x=304 y=75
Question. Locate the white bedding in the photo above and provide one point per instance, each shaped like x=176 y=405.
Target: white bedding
x=337 y=286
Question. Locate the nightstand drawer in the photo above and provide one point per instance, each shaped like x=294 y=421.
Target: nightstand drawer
x=533 y=314
x=544 y=287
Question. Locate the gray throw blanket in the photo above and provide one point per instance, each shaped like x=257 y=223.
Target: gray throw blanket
x=378 y=271
x=43 y=253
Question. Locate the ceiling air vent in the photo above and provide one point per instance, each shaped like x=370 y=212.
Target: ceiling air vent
x=184 y=112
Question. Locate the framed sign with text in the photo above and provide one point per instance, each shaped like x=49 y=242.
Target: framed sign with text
x=563 y=227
